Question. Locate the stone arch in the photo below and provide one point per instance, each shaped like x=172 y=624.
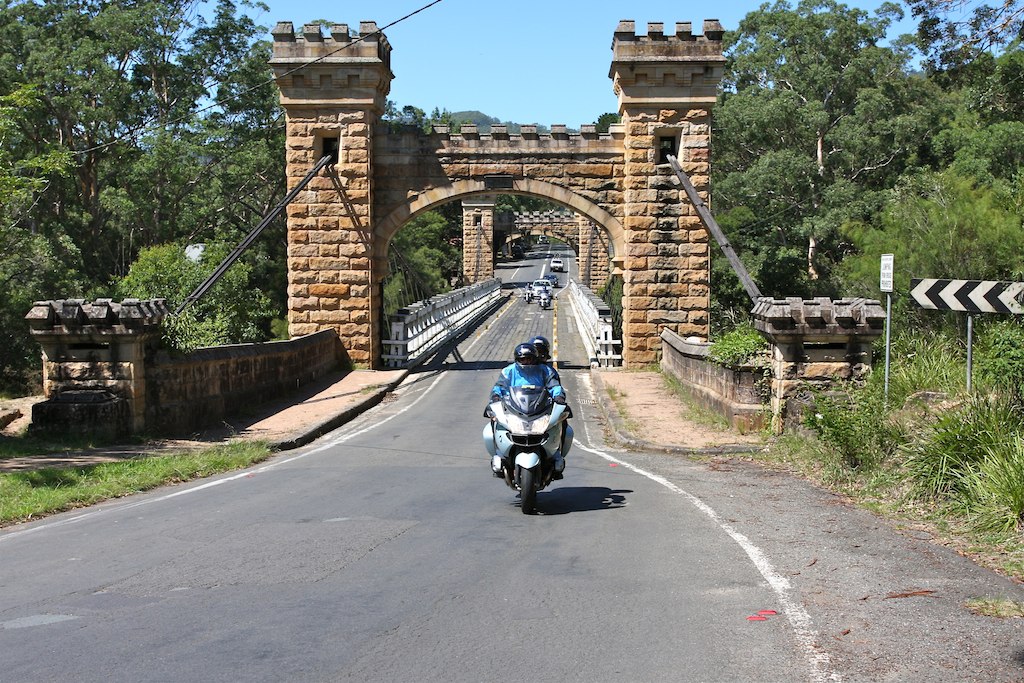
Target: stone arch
x=424 y=201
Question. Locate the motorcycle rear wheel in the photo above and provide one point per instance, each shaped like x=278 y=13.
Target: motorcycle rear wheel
x=528 y=490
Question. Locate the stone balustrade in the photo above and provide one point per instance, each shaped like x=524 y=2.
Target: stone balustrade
x=816 y=342
x=104 y=373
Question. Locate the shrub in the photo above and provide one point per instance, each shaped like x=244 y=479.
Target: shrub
x=853 y=424
x=232 y=311
x=1000 y=357
x=740 y=346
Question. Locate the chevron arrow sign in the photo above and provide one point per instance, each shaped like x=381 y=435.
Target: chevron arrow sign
x=972 y=296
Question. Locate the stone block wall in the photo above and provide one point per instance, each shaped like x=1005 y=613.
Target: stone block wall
x=738 y=395
x=202 y=388
x=103 y=372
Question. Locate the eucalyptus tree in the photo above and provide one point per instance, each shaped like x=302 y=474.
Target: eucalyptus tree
x=815 y=120
x=956 y=32
x=167 y=115
x=156 y=104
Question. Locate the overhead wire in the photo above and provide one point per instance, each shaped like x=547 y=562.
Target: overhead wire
x=153 y=123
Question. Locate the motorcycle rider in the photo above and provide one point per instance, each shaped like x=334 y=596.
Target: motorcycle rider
x=527 y=369
x=543 y=347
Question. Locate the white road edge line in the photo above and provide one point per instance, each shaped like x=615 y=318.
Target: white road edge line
x=803 y=626
x=210 y=484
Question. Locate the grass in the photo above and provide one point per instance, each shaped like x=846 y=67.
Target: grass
x=996 y=607
x=32 y=494
x=694 y=410
x=617 y=397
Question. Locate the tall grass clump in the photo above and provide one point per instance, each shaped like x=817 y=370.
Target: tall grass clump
x=943 y=458
x=994 y=491
x=931 y=361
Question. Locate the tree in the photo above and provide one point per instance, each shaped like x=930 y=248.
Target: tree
x=604 y=121
x=815 y=121
x=955 y=32
x=170 y=129
x=940 y=225
x=126 y=89
x=232 y=311
x=31 y=267
x=425 y=258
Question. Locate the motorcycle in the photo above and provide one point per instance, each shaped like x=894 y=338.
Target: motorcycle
x=544 y=299
x=528 y=295
x=526 y=430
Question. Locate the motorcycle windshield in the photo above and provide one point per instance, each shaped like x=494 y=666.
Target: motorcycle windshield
x=527 y=400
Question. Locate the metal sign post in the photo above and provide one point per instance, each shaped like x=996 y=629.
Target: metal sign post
x=970 y=296
x=885 y=284
x=970 y=349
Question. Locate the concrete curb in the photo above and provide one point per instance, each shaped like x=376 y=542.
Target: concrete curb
x=622 y=436
x=309 y=434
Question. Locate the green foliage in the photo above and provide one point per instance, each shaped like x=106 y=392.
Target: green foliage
x=604 y=121
x=923 y=360
x=233 y=311
x=739 y=346
x=994 y=495
x=804 y=146
x=939 y=225
x=999 y=357
x=425 y=259
x=853 y=423
x=954 y=33
x=943 y=457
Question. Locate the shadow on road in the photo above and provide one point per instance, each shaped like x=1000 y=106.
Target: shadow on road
x=562 y=501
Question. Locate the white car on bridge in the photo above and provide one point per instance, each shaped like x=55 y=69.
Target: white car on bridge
x=557 y=265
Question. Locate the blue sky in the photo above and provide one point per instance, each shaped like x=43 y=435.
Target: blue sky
x=528 y=61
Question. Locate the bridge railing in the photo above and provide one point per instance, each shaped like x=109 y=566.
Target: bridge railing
x=423 y=327
x=594 y=319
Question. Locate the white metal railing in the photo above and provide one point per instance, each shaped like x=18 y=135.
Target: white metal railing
x=594 y=319
x=423 y=327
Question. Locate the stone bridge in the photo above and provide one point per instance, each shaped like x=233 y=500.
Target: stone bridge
x=334 y=91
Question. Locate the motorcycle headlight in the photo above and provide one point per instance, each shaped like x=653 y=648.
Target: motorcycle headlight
x=536 y=426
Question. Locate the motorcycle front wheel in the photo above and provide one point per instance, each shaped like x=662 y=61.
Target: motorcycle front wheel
x=528 y=490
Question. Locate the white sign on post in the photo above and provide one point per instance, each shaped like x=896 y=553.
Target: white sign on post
x=885 y=283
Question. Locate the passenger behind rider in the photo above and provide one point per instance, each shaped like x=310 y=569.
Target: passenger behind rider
x=543 y=347
x=528 y=370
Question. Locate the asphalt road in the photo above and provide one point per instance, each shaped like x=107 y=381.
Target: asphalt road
x=386 y=552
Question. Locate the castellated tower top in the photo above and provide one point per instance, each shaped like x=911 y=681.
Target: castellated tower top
x=652 y=69
x=341 y=45
x=312 y=69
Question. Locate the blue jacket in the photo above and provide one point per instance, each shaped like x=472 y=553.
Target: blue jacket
x=516 y=375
